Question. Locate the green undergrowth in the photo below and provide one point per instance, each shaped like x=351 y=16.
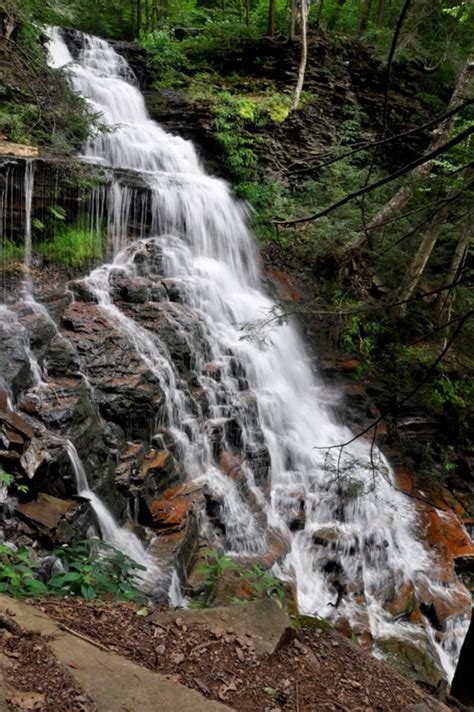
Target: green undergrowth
x=91 y=569
x=72 y=246
x=213 y=568
x=238 y=119
x=37 y=107
x=10 y=253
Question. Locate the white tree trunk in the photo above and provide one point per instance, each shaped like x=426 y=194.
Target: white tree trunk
x=304 y=53
x=444 y=302
x=418 y=265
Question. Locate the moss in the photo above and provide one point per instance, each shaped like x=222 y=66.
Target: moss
x=410 y=660
x=300 y=622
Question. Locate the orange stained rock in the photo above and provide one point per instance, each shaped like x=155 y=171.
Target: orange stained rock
x=158 y=461
x=445 y=531
x=284 y=285
x=353 y=389
x=404 y=478
x=349 y=364
x=172 y=509
x=230 y=463
x=132 y=451
x=170 y=513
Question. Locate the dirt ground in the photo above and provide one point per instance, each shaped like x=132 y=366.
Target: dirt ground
x=35 y=679
x=315 y=669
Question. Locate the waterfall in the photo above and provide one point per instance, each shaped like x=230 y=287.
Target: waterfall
x=118 y=537
x=29 y=185
x=356 y=538
x=123 y=540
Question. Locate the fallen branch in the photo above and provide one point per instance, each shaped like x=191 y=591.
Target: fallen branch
x=86 y=638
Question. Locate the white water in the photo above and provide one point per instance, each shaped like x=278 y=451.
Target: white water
x=29 y=184
x=120 y=538
x=351 y=505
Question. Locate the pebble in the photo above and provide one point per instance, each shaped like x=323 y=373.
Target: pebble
x=177 y=658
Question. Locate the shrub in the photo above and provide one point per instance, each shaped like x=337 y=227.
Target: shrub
x=10 y=252
x=72 y=246
x=91 y=569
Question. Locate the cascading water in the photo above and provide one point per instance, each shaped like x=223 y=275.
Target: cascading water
x=120 y=538
x=29 y=184
x=356 y=539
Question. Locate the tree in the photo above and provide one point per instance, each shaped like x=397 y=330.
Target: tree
x=379 y=15
x=271 y=18
x=364 y=16
x=445 y=299
x=418 y=263
x=440 y=136
x=304 y=11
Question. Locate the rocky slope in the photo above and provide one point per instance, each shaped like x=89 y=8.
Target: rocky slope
x=246 y=658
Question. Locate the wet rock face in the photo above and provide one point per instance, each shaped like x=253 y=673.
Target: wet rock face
x=15 y=375
x=102 y=388
x=124 y=390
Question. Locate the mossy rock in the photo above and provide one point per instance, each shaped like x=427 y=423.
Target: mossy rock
x=301 y=621
x=410 y=659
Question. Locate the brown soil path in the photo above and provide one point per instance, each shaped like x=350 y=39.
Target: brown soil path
x=241 y=657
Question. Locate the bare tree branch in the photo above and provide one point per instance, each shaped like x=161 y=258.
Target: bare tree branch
x=383 y=181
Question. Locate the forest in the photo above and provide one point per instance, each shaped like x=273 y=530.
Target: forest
x=377 y=214
x=337 y=134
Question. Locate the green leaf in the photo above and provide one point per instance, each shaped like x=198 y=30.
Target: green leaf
x=142 y=612
x=61 y=579
x=37 y=587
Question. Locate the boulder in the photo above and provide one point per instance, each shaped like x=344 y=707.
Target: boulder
x=46 y=510
x=413 y=659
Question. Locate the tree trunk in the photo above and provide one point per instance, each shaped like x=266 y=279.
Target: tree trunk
x=440 y=136
x=418 y=264
x=293 y=20
x=271 y=18
x=132 y=19
x=364 y=16
x=379 y=17
x=444 y=301
x=304 y=54
x=320 y=12
x=403 y=195
x=139 y=17
x=247 y=13
x=147 y=16
x=154 y=13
